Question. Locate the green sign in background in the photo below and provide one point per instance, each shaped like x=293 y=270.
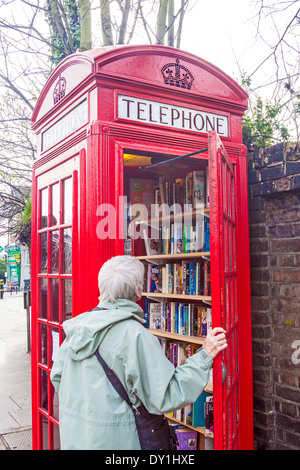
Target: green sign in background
x=13 y=264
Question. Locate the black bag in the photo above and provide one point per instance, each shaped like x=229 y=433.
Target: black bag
x=153 y=430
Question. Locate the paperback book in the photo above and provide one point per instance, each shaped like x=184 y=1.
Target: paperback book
x=187 y=439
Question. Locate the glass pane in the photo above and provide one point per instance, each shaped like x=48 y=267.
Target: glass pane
x=54 y=300
x=43 y=291
x=55 y=205
x=44 y=389
x=67 y=251
x=68 y=200
x=225 y=244
x=44 y=208
x=233 y=248
x=54 y=403
x=230 y=241
x=43 y=252
x=55 y=437
x=54 y=343
x=44 y=432
x=54 y=251
x=67 y=299
x=43 y=344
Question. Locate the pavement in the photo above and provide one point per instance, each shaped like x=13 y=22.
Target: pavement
x=15 y=375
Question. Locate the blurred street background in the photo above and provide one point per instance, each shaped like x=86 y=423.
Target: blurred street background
x=15 y=374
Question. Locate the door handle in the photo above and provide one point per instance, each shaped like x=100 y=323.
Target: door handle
x=224 y=372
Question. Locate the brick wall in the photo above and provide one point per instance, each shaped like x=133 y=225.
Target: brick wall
x=274 y=202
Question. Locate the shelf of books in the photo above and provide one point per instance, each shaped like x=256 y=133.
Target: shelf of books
x=168 y=222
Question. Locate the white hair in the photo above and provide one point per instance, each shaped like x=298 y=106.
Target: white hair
x=121 y=277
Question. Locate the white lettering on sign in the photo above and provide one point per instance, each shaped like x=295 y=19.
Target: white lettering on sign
x=65 y=126
x=163 y=114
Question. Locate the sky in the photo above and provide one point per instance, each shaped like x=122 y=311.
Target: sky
x=229 y=34
x=221 y=31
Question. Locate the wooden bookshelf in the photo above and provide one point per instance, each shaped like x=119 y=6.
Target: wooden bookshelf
x=177 y=337
x=164 y=276
x=199 y=430
x=209 y=388
x=177 y=256
x=164 y=295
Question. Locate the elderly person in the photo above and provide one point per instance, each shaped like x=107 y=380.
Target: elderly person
x=91 y=413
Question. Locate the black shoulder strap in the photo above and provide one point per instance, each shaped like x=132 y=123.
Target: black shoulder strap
x=115 y=381
x=97 y=308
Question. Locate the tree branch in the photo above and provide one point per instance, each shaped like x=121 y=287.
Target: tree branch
x=276 y=46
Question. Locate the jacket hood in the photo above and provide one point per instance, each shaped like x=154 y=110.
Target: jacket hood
x=85 y=332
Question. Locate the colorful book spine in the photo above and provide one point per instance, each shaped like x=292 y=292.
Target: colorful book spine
x=170 y=278
x=206 y=278
x=165 y=240
x=177 y=236
x=206 y=235
x=185 y=319
x=209 y=415
x=198 y=417
x=198 y=189
x=192 y=279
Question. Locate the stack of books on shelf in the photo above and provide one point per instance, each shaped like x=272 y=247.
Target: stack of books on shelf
x=176 y=317
x=200 y=413
x=197 y=414
x=192 y=190
x=177 y=353
x=177 y=238
x=184 y=226
x=185 y=277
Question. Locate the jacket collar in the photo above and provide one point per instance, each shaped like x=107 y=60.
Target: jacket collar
x=124 y=304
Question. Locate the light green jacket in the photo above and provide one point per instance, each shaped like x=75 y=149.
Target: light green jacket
x=91 y=413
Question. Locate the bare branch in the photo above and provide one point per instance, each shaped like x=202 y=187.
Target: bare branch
x=277 y=45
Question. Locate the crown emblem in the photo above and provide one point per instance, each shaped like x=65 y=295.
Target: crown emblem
x=177 y=75
x=59 y=90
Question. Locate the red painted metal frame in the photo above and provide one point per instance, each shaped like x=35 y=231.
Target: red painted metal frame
x=110 y=152
x=233 y=410
x=244 y=298
x=96 y=150
x=45 y=418
x=34 y=309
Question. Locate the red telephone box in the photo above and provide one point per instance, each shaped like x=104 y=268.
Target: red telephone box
x=101 y=117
